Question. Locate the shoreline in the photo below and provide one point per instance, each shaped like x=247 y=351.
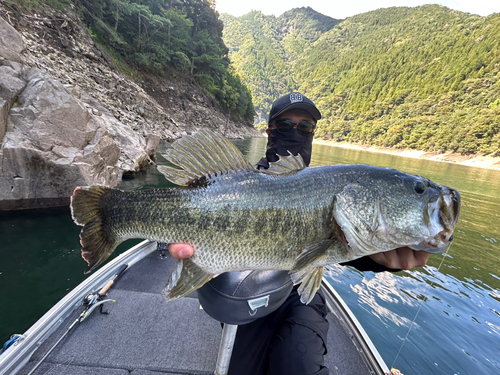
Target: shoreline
x=479 y=161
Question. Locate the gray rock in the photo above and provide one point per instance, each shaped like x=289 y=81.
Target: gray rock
x=10 y=87
x=152 y=142
x=54 y=142
x=11 y=42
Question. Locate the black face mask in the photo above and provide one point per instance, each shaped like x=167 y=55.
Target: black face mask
x=279 y=143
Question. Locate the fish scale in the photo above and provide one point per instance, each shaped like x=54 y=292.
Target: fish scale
x=286 y=218
x=247 y=223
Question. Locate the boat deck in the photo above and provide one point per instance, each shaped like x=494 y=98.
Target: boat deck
x=145 y=335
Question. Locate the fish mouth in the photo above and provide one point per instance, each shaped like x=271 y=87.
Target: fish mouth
x=437 y=244
x=441 y=216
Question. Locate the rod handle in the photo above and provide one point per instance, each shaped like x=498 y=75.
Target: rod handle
x=118 y=273
x=106 y=287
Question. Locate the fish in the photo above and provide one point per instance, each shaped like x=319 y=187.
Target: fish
x=288 y=217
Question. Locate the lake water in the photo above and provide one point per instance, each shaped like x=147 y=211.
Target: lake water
x=444 y=321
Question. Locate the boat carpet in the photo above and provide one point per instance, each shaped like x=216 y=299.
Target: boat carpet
x=68 y=369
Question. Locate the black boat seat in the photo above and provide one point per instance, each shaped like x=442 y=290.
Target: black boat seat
x=241 y=297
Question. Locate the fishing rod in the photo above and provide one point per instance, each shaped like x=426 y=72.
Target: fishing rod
x=91 y=302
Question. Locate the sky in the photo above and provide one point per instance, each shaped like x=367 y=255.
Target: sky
x=341 y=9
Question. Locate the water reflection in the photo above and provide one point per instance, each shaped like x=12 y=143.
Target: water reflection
x=448 y=318
x=387 y=292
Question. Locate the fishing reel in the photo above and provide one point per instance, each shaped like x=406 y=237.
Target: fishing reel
x=162 y=247
x=97 y=299
x=93 y=301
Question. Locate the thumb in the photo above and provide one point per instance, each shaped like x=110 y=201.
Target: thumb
x=180 y=250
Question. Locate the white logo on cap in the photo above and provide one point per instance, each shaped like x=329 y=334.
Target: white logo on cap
x=294 y=98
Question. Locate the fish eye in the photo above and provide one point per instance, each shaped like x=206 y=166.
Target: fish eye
x=419 y=187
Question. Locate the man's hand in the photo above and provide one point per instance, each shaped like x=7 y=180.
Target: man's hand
x=402 y=258
x=180 y=250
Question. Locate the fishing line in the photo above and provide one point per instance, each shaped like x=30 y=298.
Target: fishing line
x=418 y=311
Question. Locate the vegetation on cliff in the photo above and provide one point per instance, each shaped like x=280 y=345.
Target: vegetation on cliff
x=420 y=78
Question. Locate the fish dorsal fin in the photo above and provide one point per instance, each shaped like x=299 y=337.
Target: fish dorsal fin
x=285 y=164
x=202 y=154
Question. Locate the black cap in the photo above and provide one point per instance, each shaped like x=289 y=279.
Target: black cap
x=294 y=100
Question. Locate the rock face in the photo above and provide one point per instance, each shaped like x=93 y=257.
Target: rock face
x=11 y=42
x=69 y=118
x=55 y=141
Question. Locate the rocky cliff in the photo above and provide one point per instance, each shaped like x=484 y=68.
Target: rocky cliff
x=69 y=117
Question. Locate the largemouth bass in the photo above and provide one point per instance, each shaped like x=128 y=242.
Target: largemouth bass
x=288 y=217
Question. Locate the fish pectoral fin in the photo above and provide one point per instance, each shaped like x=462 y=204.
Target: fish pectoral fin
x=310 y=282
x=311 y=254
x=184 y=279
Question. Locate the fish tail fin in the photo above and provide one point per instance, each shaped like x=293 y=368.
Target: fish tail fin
x=86 y=211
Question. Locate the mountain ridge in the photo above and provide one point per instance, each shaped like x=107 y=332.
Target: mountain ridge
x=423 y=78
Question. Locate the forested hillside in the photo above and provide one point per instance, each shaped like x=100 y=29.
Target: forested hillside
x=263 y=48
x=423 y=78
